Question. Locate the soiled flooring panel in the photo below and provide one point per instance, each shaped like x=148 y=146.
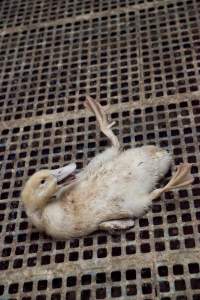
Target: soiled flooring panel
x=141 y=60
x=121 y=57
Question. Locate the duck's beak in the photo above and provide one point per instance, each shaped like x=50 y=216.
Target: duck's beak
x=63 y=172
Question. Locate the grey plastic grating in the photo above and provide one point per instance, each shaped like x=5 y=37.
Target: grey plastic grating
x=169 y=41
x=50 y=69
x=140 y=59
x=127 y=57
x=33 y=12
x=172 y=279
x=171 y=226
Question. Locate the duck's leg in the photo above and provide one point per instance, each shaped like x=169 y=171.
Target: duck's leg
x=181 y=178
x=110 y=153
x=93 y=106
x=116 y=225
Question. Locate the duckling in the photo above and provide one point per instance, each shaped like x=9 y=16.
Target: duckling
x=114 y=189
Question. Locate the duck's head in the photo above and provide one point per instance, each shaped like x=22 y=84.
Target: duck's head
x=41 y=186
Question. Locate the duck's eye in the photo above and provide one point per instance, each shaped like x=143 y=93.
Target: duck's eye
x=42 y=181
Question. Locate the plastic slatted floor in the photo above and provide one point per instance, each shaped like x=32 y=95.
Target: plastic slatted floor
x=139 y=58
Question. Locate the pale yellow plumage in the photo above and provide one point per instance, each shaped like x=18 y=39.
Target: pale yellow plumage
x=108 y=194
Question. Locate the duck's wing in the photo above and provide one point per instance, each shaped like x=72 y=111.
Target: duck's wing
x=116 y=225
x=93 y=106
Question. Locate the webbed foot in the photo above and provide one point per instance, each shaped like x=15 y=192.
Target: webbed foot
x=181 y=178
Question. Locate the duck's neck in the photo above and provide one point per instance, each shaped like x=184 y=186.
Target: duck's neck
x=37 y=200
x=66 y=190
